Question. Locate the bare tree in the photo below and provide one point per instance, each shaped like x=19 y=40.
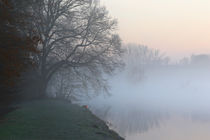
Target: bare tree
x=139 y=59
x=77 y=35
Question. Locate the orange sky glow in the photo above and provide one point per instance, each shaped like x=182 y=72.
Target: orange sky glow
x=177 y=27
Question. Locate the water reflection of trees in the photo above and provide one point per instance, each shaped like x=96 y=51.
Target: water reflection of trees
x=127 y=122
x=132 y=120
x=200 y=116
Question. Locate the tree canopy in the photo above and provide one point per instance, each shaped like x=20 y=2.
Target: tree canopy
x=78 y=36
x=17 y=44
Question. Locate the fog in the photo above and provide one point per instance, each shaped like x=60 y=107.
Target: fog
x=74 y=51
x=158 y=101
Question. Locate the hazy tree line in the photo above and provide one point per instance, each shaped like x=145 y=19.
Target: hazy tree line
x=44 y=43
x=200 y=59
x=139 y=59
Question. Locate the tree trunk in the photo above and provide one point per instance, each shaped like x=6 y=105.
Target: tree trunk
x=42 y=87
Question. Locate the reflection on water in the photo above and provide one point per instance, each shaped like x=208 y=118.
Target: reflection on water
x=176 y=128
x=129 y=122
x=170 y=104
x=149 y=125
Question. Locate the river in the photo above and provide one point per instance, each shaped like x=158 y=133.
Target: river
x=168 y=104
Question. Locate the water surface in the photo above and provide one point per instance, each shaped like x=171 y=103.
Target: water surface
x=167 y=104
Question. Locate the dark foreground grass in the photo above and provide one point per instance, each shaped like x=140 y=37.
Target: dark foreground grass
x=54 y=120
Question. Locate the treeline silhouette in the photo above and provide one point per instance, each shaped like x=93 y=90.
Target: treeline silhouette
x=43 y=42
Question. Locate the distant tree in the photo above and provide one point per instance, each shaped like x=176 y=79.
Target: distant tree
x=17 y=42
x=202 y=59
x=140 y=58
x=77 y=35
x=142 y=55
x=184 y=61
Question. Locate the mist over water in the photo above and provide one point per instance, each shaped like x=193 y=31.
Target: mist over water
x=167 y=103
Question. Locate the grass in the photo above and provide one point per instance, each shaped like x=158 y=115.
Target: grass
x=54 y=120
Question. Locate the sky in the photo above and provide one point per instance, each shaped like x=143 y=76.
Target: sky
x=176 y=27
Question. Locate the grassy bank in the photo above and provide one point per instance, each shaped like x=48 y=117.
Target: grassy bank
x=54 y=120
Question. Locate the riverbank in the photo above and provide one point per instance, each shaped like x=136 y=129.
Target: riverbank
x=54 y=120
